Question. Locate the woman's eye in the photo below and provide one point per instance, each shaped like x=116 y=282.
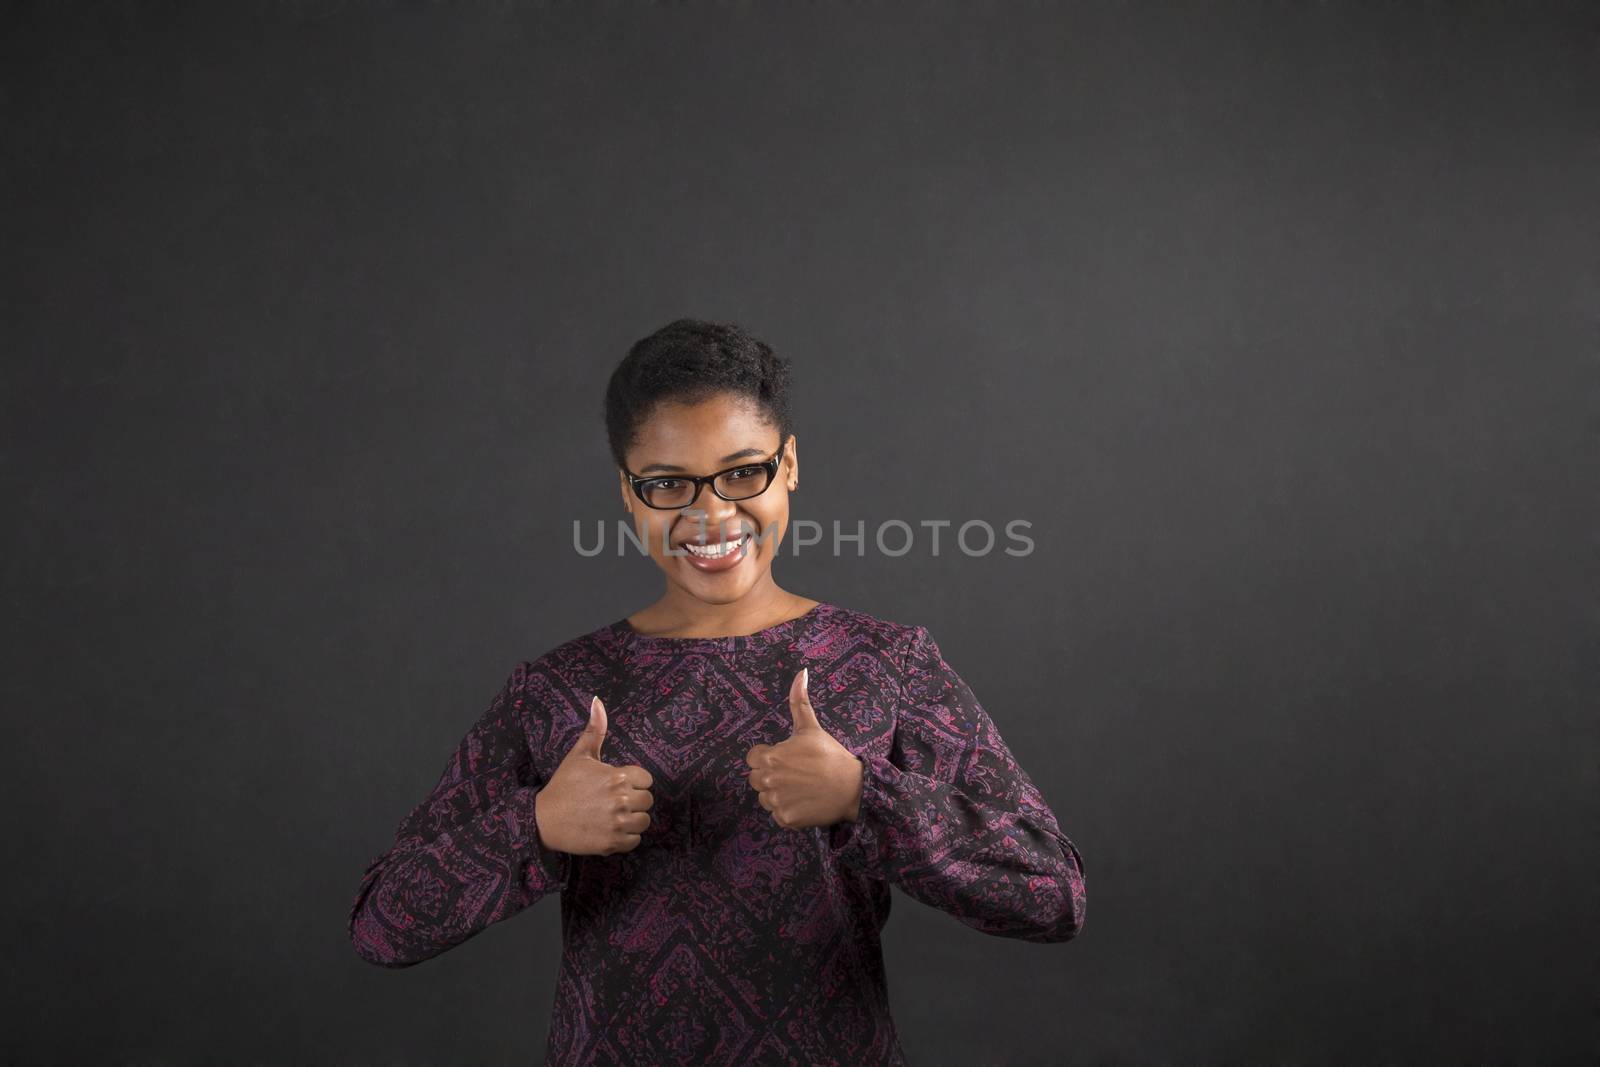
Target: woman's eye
x=664 y=483
x=742 y=472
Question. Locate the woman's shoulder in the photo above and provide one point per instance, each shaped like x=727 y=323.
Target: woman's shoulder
x=593 y=649
x=577 y=667
x=839 y=623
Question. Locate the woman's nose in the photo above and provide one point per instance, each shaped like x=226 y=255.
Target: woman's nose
x=718 y=512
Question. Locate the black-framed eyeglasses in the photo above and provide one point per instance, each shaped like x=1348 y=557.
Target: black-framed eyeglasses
x=672 y=491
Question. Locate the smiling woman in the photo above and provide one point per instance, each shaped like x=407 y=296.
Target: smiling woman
x=723 y=785
x=699 y=423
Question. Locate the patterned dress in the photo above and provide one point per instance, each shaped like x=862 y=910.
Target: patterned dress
x=724 y=938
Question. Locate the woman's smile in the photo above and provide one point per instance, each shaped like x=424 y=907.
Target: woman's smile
x=716 y=557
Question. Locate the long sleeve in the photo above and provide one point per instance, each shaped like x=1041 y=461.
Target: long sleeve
x=468 y=855
x=951 y=818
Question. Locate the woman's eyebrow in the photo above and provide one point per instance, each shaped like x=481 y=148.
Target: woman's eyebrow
x=729 y=458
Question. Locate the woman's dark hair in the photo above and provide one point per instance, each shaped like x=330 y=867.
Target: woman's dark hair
x=689 y=361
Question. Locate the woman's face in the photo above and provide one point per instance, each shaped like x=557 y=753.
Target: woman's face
x=698 y=439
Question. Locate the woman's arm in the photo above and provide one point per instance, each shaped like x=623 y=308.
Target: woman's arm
x=952 y=819
x=468 y=855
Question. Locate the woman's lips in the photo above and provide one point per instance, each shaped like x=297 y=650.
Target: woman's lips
x=712 y=566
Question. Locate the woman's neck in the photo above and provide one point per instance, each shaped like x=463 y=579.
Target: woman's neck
x=682 y=615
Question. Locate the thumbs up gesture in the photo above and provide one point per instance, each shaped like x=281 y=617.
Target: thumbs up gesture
x=810 y=779
x=590 y=808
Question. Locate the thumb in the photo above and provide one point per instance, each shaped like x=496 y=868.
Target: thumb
x=805 y=716
x=594 y=734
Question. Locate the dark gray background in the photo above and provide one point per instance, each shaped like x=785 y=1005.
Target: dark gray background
x=1277 y=322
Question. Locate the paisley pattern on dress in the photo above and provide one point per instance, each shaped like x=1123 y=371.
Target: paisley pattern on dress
x=724 y=938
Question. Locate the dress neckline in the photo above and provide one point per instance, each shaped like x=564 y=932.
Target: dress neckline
x=782 y=632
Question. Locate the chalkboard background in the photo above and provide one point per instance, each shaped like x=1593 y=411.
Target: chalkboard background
x=1278 y=324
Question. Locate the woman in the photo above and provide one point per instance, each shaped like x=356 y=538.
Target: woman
x=723 y=785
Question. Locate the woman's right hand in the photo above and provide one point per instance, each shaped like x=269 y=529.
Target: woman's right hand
x=590 y=808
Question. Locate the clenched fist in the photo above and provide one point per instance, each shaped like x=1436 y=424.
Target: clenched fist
x=590 y=808
x=810 y=779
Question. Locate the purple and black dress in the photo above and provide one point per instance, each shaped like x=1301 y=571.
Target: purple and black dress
x=724 y=938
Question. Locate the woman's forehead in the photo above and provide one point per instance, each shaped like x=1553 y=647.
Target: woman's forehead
x=702 y=433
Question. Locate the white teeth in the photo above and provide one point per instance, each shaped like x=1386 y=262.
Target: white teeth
x=718 y=551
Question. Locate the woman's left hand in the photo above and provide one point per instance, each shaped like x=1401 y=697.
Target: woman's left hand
x=810 y=779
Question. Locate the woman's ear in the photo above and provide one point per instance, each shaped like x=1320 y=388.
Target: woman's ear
x=626 y=490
